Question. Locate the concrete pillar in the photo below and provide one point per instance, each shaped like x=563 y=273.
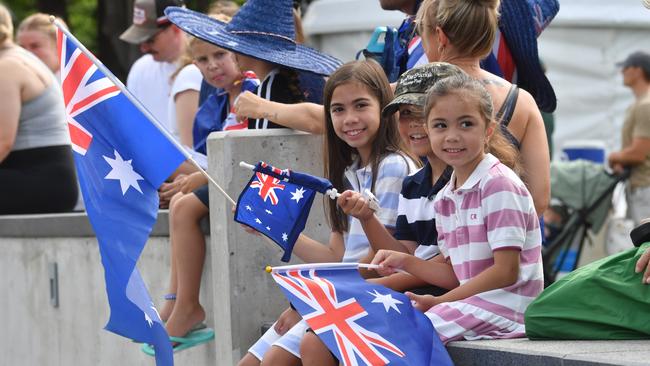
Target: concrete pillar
x=245 y=296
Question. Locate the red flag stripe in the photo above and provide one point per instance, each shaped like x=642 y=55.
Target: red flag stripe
x=93 y=97
x=74 y=76
x=79 y=137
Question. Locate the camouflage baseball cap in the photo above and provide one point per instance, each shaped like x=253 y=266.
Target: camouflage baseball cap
x=148 y=18
x=413 y=84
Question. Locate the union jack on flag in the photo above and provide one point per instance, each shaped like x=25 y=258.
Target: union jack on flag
x=121 y=160
x=267 y=185
x=361 y=323
x=83 y=88
x=276 y=203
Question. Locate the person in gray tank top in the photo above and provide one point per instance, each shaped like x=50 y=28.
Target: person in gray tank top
x=37 y=172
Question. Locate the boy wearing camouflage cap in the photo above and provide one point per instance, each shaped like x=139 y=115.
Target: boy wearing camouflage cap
x=415 y=230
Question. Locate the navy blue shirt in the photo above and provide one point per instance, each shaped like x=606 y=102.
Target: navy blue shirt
x=415 y=213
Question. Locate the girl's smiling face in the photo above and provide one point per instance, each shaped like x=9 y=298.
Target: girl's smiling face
x=355 y=116
x=458 y=133
x=217 y=65
x=412 y=129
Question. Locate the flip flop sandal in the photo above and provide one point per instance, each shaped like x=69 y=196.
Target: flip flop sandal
x=190 y=340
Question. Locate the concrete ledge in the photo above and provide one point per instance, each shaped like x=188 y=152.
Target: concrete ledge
x=511 y=352
x=69 y=225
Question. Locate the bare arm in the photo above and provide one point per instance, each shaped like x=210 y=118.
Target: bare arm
x=404 y=281
x=311 y=251
x=10 y=104
x=435 y=271
x=308 y=117
x=535 y=156
x=187 y=103
x=354 y=204
x=634 y=154
x=502 y=273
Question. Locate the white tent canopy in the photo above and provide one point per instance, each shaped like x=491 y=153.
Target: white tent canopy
x=580 y=49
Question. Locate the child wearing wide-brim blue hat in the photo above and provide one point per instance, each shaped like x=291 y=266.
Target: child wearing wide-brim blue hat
x=263 y=29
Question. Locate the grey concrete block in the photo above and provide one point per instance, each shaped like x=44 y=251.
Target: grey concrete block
x=245 y=295
x=70 y=225
x=72 y=333
x=543 y=353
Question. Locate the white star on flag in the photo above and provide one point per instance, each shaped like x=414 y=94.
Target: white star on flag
x=285 y=237
x=386 y=300
x=257 y=220
x=123 y=171
x=269 y=212
x=268 y=228
x=297 y=195
x=148 y=318
x=249 y=208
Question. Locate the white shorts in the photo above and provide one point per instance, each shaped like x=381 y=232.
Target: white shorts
x=290 y=341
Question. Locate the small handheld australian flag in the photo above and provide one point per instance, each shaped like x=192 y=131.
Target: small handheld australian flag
x=276 y=203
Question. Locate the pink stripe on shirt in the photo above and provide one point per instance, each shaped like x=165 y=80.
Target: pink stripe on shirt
x=501 y=310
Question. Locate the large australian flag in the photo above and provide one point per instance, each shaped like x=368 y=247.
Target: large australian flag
x=121 y=160
x=276 y=203
x=360 y=322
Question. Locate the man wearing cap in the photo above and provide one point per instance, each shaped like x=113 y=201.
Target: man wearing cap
x=162 y=43
x=635 y=138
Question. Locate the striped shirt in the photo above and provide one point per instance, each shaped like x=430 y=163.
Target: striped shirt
x=392 y=171
x=415 y=213
x=491 y=211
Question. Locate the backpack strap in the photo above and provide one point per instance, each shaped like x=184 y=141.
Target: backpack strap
x=508 y=107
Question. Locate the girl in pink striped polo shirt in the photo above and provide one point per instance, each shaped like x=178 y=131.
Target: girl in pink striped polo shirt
x=488 y=230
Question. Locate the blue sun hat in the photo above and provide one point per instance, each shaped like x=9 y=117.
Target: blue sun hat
x=262 y=29
x=521 y=22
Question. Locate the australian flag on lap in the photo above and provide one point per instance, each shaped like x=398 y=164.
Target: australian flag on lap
x=277 y=202
x=360 y=322
x=121 y=160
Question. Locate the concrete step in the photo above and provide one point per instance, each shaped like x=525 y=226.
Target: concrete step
x=516 y=352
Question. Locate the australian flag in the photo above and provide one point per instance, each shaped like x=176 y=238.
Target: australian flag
x=121 y=159
x=277 y=202
x=361 y=323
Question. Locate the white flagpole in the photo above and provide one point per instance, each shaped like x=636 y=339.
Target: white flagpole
x=139 y=105
x=333 y=265
x=332 y=193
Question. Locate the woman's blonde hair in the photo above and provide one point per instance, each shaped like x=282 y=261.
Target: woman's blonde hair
x=6 y=24
x=38 y=22
x=470 y=25
x=469 y=88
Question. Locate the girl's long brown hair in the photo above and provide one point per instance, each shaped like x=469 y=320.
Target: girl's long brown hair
x=337 y=154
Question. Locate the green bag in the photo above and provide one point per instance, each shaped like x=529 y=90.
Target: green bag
x=602 y=300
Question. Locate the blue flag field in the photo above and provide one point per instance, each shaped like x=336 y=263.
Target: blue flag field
x=121 y=160
x=277 y=202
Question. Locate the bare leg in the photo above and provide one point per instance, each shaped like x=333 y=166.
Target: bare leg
x=279 y=356
x=249 y=360
x=188 y=252
x=168 y=305
x=314 y=352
